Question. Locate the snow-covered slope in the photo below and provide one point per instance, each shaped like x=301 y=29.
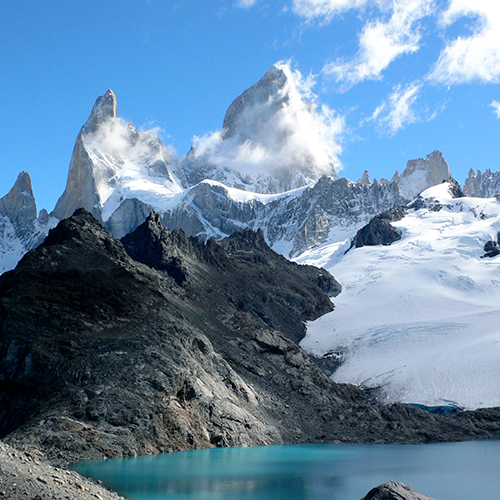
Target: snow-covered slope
x=419 y=319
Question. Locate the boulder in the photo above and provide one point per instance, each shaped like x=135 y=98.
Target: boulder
x=394 y=490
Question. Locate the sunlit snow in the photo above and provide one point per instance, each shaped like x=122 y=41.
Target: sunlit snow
x=419 y=319
x=126 y=161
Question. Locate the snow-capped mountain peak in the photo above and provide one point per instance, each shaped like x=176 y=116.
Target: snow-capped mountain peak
x=112 y=162
x=104 y=108
x=20 y=229
x=274 y=138
x=421 y=174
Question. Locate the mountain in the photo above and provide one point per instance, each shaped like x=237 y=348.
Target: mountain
x=20 y=227
x=417 y=320
x=184 y=345
x=293 y=221
x=113 y=162
x=273 y=139
x=120 y=175
x=271 y=167
x=421 y=174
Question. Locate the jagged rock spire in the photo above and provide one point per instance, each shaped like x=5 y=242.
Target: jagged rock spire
x=266 y=90
x=421 y=174
x=105 y=107
x=19 y=204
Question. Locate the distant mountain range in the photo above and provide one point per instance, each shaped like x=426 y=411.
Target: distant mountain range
x=259 y=172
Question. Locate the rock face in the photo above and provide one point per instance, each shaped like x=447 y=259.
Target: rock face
x=421 y=174
x=491 y=248
x=20 y=228
x=300 y=292
x=482 y=185
x=102 y=355
x=292 y=222
x=84 y=172
x=394 y=490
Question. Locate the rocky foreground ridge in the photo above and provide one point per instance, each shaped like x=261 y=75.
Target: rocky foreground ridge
x=186 y=345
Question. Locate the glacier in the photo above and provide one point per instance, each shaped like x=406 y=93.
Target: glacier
x=419 y=321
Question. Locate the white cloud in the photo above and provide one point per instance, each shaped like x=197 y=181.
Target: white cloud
x=397 y=111
x=496 y=106
x=475 y=58
x=381 y=42
x=245 y=4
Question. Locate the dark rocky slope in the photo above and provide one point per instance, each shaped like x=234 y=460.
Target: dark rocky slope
x=104 y=355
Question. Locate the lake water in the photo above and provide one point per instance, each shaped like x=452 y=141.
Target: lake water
x=447 y=471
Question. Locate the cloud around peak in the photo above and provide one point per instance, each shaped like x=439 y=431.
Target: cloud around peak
x=277 y=127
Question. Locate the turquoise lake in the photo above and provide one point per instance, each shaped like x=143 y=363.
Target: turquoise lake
x=446 y=471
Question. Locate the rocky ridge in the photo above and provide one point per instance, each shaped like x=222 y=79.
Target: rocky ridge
x=120 y=174
x=482 y=185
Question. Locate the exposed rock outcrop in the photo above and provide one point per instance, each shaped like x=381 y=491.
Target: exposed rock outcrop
x=482 y=185
x=492 y=248
x=107 y=156
x=421 y=174
x=291 y=223
x=379 y=230
x=20 y=228
x=394 y=490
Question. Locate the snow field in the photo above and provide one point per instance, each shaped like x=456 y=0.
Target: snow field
x=419 y=319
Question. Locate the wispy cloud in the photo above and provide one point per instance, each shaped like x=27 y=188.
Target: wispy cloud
x=393 y=32
x=397 y=111
x=496 y=106
x=245 y=4
x=474 y=58
x=325 y=10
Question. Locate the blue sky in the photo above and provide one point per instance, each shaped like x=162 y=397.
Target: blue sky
x=405 y=76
